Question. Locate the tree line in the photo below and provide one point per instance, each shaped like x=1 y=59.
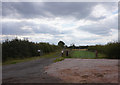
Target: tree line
x=17 y=48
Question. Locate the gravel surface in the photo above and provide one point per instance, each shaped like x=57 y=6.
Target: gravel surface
x=28 y=72
x=85 y=70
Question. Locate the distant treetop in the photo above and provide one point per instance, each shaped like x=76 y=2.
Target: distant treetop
x=61 y=44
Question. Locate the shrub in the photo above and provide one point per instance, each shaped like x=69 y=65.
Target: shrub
x=110 y=49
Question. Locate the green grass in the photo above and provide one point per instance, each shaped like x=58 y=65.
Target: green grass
x=85 y=55
x=14 y=61
x=59 y=59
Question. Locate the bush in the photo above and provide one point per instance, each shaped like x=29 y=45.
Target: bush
x=110 y=49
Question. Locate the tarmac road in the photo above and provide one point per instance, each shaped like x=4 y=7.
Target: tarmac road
x=28 y=72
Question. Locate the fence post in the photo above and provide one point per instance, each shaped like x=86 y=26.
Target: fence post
x=96 y=52
x=67 y=53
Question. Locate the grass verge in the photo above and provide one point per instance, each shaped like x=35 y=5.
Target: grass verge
x=59 y=59
x=14 y=61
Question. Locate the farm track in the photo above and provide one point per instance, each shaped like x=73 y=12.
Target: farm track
x=28 y=72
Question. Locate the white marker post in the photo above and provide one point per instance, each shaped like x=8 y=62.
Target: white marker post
x=39 y=51
x=62 y=53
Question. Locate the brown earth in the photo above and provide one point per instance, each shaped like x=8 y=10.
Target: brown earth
x=85 y=70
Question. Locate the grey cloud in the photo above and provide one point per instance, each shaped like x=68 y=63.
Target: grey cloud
x=31 y=10
x=78 y=10
x=15 y=28
x=102 y=28
x=45 y=29
x=96 y=29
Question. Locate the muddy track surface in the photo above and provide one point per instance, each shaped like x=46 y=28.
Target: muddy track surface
x=85 y=70
x=28 y=72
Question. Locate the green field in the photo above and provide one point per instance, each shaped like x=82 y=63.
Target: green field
x=85 y=55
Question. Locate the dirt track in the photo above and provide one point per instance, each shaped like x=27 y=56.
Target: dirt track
x=28 y=72
x=85 y=70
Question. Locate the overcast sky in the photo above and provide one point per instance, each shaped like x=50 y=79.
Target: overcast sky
x=81 y=23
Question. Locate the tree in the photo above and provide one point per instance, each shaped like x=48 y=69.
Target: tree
x=61 y=44
x=72 y=46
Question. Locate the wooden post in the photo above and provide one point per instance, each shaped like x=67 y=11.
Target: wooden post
x=67 y=53
x=96 y=52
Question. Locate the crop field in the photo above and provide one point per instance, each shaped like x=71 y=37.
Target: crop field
x=85 y=55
